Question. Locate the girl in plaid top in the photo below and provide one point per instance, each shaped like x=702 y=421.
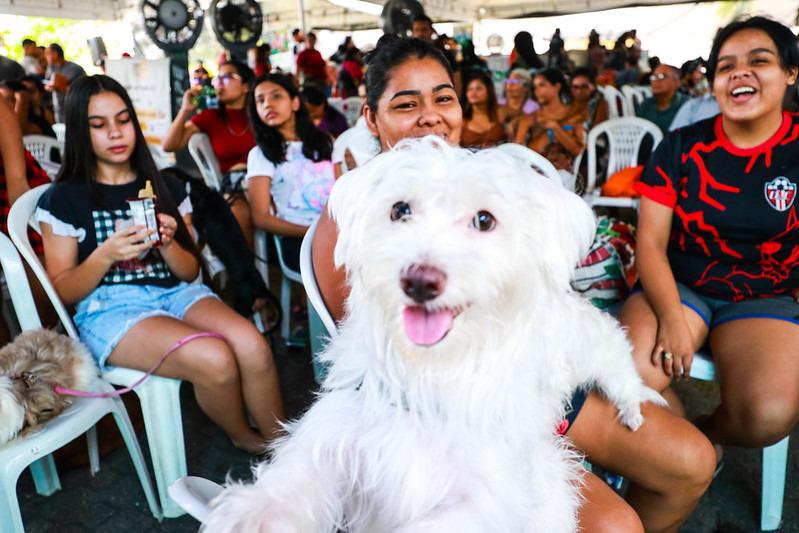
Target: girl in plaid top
x=133 y=301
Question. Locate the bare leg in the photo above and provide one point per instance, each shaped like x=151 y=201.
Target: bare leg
x=207 y=363
x=754 y=358
x=668 y=461
x=604 y=511
x=258 y=374
x=642 y=327
x=241 y=210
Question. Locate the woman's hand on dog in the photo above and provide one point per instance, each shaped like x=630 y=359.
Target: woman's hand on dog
x=167 y=226
x=674 y=339
x=126 y=244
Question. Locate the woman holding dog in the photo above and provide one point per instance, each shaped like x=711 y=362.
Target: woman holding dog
x=134 y=301
x=717 y=243
x=410 y=93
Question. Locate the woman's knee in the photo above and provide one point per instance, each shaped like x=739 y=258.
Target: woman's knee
x=611 y=519
x=765 y=420
x=214 y=364
x=692 y=464
x=252 y=350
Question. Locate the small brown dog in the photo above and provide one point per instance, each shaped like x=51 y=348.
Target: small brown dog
x=30 y=367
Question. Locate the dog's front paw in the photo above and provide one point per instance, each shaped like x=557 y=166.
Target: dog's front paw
x=653 y=396
x=631 y=417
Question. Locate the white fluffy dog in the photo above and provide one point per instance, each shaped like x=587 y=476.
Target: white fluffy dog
x=449 y=374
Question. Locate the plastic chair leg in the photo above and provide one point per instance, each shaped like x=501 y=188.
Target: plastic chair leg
x=45 y=476
x=318 y=333
x=94 y=453
x=285 y=304
x=775 y=459
x=10 y=516
x=134 y=450
x=160 y=403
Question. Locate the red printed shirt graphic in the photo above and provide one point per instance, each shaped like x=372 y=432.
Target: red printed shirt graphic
x=735 y=230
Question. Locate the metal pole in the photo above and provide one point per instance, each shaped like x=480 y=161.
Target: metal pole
x=301 y=8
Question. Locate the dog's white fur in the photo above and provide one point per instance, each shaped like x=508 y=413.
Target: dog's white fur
x=457 y=436
x=47 y=359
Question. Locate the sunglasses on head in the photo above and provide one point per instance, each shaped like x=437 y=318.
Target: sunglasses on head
x=580 y=86
x=514 y=81
x=662 y=76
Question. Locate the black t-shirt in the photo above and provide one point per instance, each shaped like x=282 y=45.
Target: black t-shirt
x=735 y=230
x=73 y=211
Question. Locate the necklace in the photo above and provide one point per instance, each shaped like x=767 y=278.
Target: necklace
x=234 y=132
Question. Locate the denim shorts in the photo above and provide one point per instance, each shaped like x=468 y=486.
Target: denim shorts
x=110 y=311
x=716 y=312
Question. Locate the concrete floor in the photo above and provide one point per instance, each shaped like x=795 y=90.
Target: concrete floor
x=113 y=501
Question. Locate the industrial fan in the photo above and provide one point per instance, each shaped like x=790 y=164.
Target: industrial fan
x=237 y=25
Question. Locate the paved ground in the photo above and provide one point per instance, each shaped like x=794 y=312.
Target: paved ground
x=113 y=502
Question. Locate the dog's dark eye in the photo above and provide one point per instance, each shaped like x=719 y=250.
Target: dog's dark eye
x=400 y=211
x=484 y=221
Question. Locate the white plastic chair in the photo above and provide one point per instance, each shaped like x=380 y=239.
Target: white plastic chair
x=633 y=97
x=625 y=136
x=539 y=163
x=60 y=130
x=775 y=458
x=321 y=325
x=336 y=102
x=616 y=102
x=159 y=396
x=288 y=277
x=41 y=147
x=194 y=495
x=203 y=155
x=352 y=109
x=35 y=449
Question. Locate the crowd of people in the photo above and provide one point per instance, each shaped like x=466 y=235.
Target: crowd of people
x=716 y=255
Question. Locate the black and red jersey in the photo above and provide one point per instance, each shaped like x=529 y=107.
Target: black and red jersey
x=735 y=231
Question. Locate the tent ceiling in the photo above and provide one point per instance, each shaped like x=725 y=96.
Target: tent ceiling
x=280 y=14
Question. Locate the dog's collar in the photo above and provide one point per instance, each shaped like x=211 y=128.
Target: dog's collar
x=28 y=378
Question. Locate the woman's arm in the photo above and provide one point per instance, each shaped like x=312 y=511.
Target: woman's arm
x=73 y=281
x=600 y=113
x=180 y=261
x=524 y=125
x=259 y=194
x=182 y=128
x=12 y=152
x=657 y=279
x=571 y=141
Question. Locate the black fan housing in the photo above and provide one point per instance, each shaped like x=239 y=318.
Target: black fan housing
x=173 y=25
x=237 y=23
x=397 y=16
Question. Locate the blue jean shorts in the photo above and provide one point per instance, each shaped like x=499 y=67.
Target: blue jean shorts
x=110 y=311
x=716 y=312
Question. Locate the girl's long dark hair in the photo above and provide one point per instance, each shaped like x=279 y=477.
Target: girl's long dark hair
x=80 y=162
x=316 y=144
x=555 y=77
x=491 y=104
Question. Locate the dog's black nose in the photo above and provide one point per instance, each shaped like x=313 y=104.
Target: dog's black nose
x=423 y=283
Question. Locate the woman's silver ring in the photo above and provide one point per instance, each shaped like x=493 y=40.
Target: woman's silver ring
x=667 y=356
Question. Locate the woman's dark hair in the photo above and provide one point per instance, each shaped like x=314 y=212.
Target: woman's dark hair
x=312 y=94
x=784 y=40
x=392 y=51
x=587 y=72
x=14 y=85
x=247 y=76
x=555 y=76
x=316 y=144
x=80 y=162
x=523 y=43
x=36 y=81
x=491 y=103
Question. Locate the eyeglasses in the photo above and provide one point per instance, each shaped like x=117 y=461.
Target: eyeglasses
x=514 y=81
x=580 y=86
x=225 y=78
x=661 y=76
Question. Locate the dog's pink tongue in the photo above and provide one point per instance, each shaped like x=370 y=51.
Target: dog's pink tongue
x=425 y=327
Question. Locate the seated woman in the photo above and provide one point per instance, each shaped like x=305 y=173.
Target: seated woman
x=587 y=99
x=410 y=93
x=227 y=129
x=556 y=130
x=717 y=243
x=135 y=301
x=25 y=98
x=518 y=101
x=289 y=172
x=324 y=116
x=482 y=127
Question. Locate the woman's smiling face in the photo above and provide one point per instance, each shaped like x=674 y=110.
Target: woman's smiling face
x=750 y=82
x=419 y=99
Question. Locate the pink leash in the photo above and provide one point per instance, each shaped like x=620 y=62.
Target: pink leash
x=86 y=394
